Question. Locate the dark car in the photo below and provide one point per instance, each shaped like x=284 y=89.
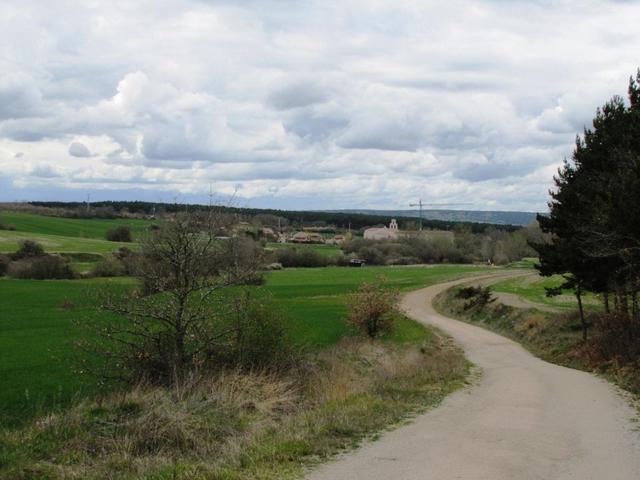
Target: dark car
x=356 y=262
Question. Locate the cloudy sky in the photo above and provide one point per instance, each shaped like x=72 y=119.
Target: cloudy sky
x=304 y=104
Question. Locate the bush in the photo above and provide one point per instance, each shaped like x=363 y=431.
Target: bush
x=478 y=297
x=4 y=264
x=109 y=266
x=41 y=268
x=121 y=233
x=302 y=257
x=616 y=338
x=246 y=334
x=28 y=249
x=372 y=308
x=129 y=259
x=259 y=340
x=406 y=251
x=7 y=226
x=371 y=255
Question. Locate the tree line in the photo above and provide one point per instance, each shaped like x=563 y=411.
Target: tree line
x=594 y=216
x=355 y=221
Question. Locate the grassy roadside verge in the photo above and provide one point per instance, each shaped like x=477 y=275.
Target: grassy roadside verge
x=242 y=425
x=554 y=337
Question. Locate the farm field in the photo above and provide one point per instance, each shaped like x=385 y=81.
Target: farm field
x=37 y=330
x=65 y=235
x=9 y=241
x=95 y=228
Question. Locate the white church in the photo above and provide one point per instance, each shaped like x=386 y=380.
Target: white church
x=385 y=233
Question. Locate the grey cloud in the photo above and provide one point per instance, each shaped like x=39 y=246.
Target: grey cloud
x=79 y=149
x=315 y=125
x=383 y=132
x=296 y=95
x=44 y=171
x=19 y=96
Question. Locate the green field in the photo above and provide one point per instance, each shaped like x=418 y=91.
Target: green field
x=95 y=228
x=532 y=288
x=37 y=332
x=65 y=235
x=38 y=318
x=9 y=242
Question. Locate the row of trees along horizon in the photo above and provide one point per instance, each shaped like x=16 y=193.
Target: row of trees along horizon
x=295 y=218
x=594 y=218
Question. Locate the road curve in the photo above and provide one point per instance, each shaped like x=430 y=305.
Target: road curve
x=524 y=419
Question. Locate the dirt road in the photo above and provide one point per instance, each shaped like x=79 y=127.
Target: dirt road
x=523 y=419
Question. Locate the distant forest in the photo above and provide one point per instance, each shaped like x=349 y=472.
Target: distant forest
x=296 y=218
x=491 y=217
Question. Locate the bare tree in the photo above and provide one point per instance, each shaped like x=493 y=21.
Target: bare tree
x=173 y=324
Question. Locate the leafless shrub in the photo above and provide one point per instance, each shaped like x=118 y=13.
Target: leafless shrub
x=372 y=308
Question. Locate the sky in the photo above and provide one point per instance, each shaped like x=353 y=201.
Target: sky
x=304 y=104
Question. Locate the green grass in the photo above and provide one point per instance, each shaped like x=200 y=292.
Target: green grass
x=315 y=298
x=524 y=263
x=70 y=227
x=10 y=240
x=533 y=289
x=37 y=334
x=328 y=250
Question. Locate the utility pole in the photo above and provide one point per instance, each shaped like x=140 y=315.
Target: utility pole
x=419 y=204
x=88 y=203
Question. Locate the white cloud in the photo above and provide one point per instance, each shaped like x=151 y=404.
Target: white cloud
x=314 y=104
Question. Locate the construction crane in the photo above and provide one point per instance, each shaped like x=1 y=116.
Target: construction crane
x=421 y=204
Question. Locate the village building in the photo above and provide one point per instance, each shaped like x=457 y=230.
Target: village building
x=337 y=240
x=300 y=237
x=383 y=233
x=307 y=237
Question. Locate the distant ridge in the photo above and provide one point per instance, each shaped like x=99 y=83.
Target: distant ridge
x=475 y=216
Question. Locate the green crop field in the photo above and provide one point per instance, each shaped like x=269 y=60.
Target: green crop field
x=532 y=288
x=65 y=235
x=37 y=335
x=314 y=298
x=70 y=227
x=37 y=329
x=9 y=241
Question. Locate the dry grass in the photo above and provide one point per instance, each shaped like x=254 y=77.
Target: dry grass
x=238 y=425
x=531 y=326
